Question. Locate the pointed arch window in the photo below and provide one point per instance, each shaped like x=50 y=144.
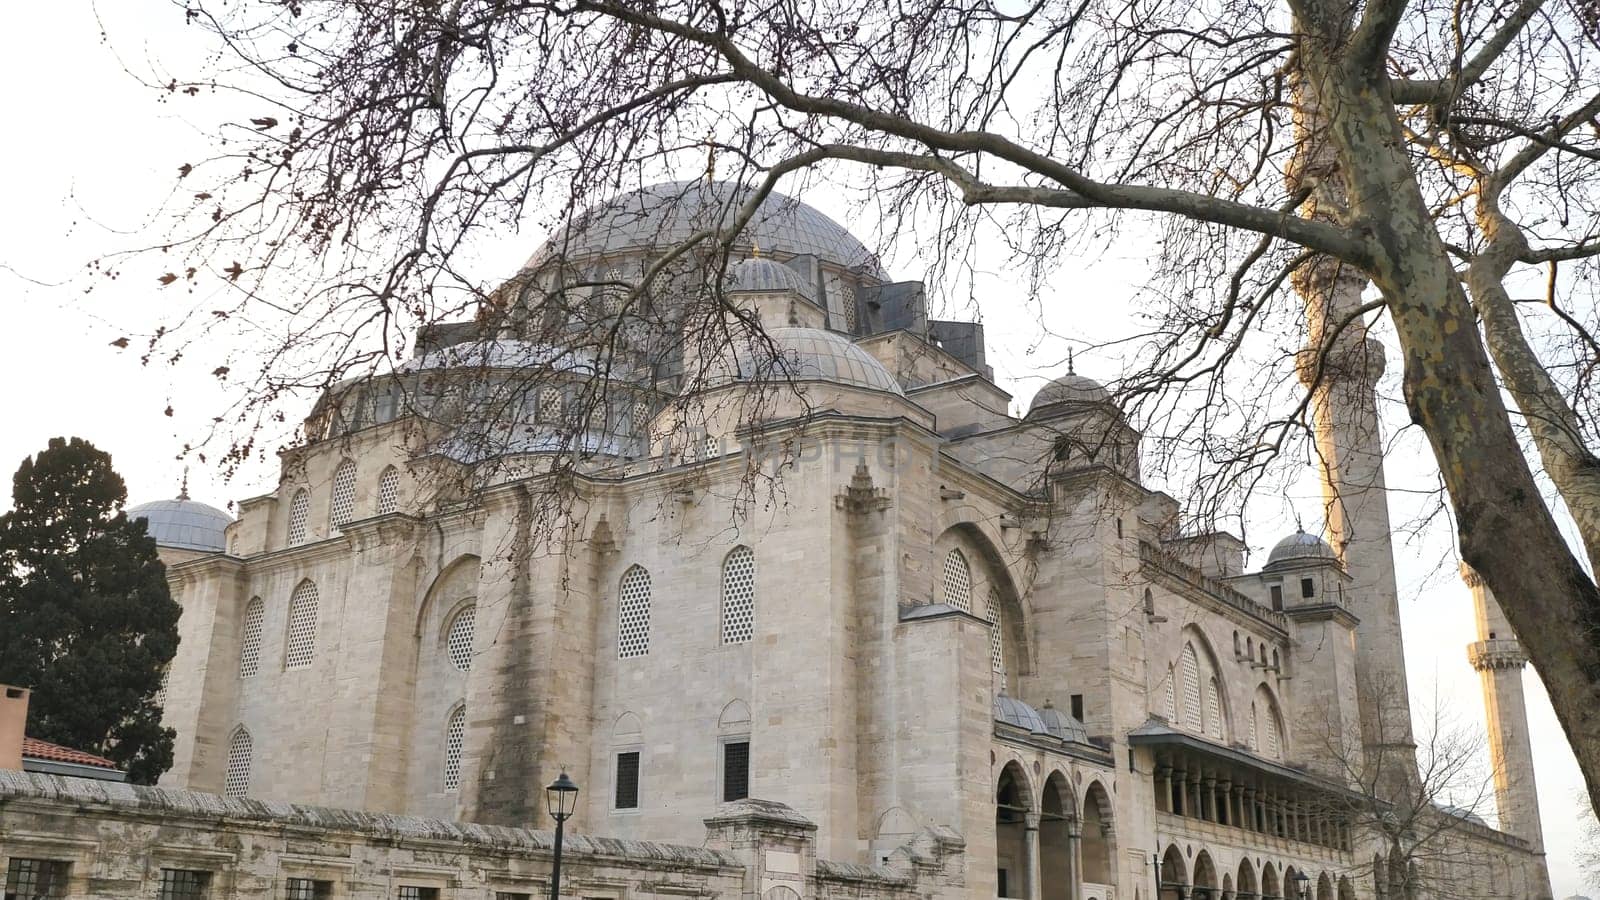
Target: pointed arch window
x=299 y=513
x=1189 y=670
x=1214 y=708
x=738 y=596
x=302 y=644
x=957 y=581
x=1170 y=702
x=455 y=738
x=342 y=508
x=236 y=779
x=388 y=491
x=250 y=646
x=459 y=637
x=633 y=613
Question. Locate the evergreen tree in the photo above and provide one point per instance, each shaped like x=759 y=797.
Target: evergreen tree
x=86 y=620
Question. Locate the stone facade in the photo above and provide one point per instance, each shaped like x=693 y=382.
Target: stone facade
x=951 y=641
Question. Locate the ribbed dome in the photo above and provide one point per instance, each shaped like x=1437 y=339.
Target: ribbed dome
x=1069 y=388
x=1300 y=546
x=183 y=523
x=763 y=275
x=663 y=215
x=1063 y=725
x=809 y=354
x=1012 y=711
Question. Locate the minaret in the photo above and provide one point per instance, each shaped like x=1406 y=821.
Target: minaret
x=1499 y=659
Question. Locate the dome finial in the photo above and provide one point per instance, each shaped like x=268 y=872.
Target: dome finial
x=755 y=252
x=1070 y=369
x=183 y=488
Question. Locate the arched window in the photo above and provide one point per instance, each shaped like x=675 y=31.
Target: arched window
x=343 y=506
x=1214 y=709
x=250 y=645
x=997 y=654
x=1237 y=647
x=388 y=491
x=299 y=512
x=455 y=737
x=1189 y=671
x=957 y=581
x=1268 y=725
x=1255 y=715
x=301 y=647
x=738 y=596
x=459 y=637
x=236 y=779
x=633 y=614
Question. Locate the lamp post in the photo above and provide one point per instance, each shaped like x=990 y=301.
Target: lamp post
x=561 y=796
x=1300 y=880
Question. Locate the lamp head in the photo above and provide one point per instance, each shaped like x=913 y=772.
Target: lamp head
x=561 y=797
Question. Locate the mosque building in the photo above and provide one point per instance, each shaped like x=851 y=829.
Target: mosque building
x=817 y=564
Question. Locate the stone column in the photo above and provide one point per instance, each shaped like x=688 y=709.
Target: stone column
x=1208 y=798
x=1181 y=794
x=1030 y=855
x=1074 y=860
x=1164 y=788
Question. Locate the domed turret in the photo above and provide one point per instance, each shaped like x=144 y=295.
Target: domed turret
x=810 y=354
x=758 y=274
x=184 y=524
x=1300 y=546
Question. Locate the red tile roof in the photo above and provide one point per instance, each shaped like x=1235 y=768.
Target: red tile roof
x=33 y=748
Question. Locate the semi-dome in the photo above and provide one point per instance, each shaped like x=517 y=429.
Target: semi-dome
x=1300 y=546
x=183 y=524
x=810 y=354
x=664 y=215
x=759 y=274
x=1012 y=711
x=1069 y=388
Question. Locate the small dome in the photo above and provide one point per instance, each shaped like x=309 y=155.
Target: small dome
x=767 y=275
x=1299 y=546
x=1063 y=725
x=1069 y=388
x=1012 y=711
x=812 y=354
x=183 y=524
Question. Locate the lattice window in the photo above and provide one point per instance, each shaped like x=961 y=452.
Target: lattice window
x=459 y=638
x=550 y=405
x=302 y=642
x=633 y=614
x=236 y=782
x=1274 y=739
x=1189 y=668
x=35 y=879
x=738 y=596
x=455 y=737
x=388 y=491
x=250 y=646
x=627 y=793
x=413 y=892
x=1254 y=713
x=997 y=654
x=343 y=507
x=1170 y=703
x=847 y=298
x=183 y=884
x=299 y=513
x=160 y=699
x=639 y=419
x=1213 y=708
x=713 y=448
x=957 y=581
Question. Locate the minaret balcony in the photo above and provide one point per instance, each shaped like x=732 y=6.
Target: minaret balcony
x=1497 y=654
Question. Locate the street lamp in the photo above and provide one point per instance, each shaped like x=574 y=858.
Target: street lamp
x=561 y=797
x=1300 y=880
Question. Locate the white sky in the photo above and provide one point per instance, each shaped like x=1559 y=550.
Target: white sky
x=91 y=153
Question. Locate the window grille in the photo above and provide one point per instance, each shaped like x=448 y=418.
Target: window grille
x=160 y=698
x=413 y=892
x=1213 y=709
x=1189 y=666
x=628 y=780
x=1308 y=588
x=738 y=596
x=1274 y=739
x=1254 y=714
x=735 y=771
x=1171 y=701
x=35 y=879
x=388 y=491
x=455 y=737
x=307 y=889
x=957 y=581
x=299 y=512
x=633 y=614
x=343 y=507
x=183 y=884
x=639 y=419
x=997 y=656
x=302 y=627
x=237 y=778
x=713 y=448
x=550 y=405
x=459 y=638
x=847 y=298
x=250 y=647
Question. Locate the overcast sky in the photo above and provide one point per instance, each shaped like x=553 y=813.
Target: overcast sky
x=91 y=153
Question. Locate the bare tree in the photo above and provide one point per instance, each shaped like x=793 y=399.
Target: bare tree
x=1434 y=152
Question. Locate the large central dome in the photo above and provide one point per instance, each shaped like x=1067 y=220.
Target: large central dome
x=663 y=215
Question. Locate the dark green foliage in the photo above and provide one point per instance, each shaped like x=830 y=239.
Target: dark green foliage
x=85 y=617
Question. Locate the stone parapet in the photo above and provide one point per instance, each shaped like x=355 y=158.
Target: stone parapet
x=1496 y=654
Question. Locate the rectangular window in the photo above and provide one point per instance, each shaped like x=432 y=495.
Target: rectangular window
x=735 y=770
x=183 y=884
x=413 y=892
x=1077 y=707
x=1308 y=588
x=628 y=780
x=1277 y=597
x=27 y=879
x=512 y=895
x=307 y=889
